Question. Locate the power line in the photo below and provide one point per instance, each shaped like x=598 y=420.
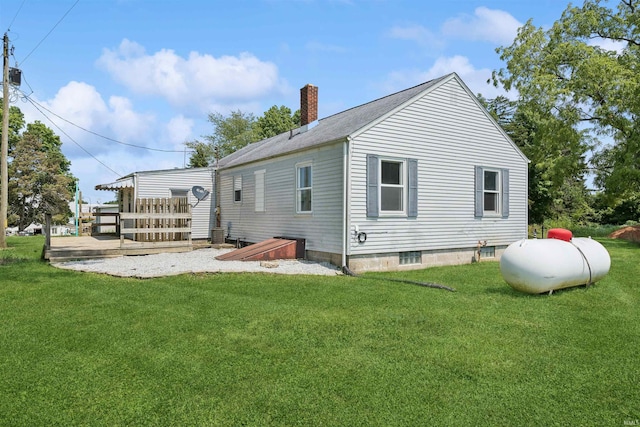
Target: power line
x=50 y=31
x=105 y=137
x=16 y=15
x=71 y=139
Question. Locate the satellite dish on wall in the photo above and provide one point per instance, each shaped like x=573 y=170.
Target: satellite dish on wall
x=199 y=192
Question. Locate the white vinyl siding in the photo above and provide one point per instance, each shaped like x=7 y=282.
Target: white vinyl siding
x=322 y=228
x=448 y=134
x=259 y=199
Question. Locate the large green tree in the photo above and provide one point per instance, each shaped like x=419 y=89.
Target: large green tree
x=38 y=184
x=40 y=180
x=581 y=75
x=16 y=124
x=277 y=120
x=556 y=154
x=231 y=133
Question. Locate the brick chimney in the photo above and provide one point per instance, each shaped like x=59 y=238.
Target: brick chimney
x=308 y=104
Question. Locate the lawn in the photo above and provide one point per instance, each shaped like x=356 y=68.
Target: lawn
x=257 y=349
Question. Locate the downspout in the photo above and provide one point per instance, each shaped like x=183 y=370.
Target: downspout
x=135 y=192
x=346 y=206
x=77 y=197
x=217 y=213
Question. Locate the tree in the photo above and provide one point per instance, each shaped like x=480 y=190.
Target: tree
x=237 y=130
x=569 y=76
x=37 y=183
x=556 y=157
x=233 y=132
x=277 y=120
x=202 y=154
x=16 y=124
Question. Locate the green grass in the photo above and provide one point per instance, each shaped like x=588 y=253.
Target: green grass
x=251 y=349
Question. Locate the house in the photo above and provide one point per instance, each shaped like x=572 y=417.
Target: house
x=33 y=228
x=194 y=184
x=60 y=230
x=418 y=178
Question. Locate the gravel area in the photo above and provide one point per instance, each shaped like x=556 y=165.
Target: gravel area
x=197 y=261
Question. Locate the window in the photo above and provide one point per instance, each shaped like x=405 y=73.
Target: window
x=492 y=192
x=259 y=178
x=303 y=188
x=237 y=188
x=488 y=252
x=411 y=257
x=392 y=186
x=179 y=192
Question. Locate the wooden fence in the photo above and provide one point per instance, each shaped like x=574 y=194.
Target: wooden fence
x=162 y=221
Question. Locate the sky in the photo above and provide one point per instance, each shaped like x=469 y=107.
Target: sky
x=106 y=73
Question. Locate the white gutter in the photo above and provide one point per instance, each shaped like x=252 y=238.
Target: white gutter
x=346 y=207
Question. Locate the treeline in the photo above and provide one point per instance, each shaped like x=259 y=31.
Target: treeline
x=577 y=112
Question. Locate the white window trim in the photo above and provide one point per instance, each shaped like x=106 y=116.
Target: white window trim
x=298 y=188
x=405 y=187
x=498 y=211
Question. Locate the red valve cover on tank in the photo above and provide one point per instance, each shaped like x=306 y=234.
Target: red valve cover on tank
x=560 y=234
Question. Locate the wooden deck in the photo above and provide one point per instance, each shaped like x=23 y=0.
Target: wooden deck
x=87 y=247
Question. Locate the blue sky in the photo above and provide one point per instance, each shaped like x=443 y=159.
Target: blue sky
x=148 y=72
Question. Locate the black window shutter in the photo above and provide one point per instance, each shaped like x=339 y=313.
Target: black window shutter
x=412 y=211
x=372 y=185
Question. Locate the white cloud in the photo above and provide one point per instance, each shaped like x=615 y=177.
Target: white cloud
x=82 y=105
x=126 y=124
x=198 y=80
x=475 y=78
x=608 y=44
x=84 y=109
x=417 y=33
x=492 y=25
x=179 y=130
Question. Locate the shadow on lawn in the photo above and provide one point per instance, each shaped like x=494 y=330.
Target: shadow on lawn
x=507 y=290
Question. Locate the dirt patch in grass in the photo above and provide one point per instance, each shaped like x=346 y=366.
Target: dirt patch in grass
x=631 y=233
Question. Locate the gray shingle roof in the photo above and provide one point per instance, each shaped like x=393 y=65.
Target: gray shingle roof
x=333 y=128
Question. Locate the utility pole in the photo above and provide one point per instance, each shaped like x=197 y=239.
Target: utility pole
x=4 y=149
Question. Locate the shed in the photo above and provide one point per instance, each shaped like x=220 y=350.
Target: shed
x=170 y=183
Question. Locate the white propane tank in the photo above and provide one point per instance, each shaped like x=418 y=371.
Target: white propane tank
x=542 y=265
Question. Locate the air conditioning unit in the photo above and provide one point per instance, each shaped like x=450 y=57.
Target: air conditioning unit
x=217 y=236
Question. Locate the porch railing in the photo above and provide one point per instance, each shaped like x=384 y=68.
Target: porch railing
x=158 y=221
